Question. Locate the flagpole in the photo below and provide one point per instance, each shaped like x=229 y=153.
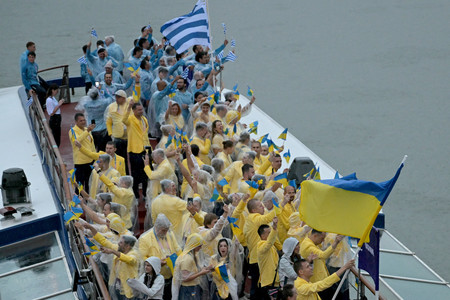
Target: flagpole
x=210 y=42
x=345 y=276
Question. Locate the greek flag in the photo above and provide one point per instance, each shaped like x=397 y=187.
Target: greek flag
x=29 y=102
x=94 y=33
x=185 y=73
x=220 y=55
x=188 y=30
x=231 y=57
x=224 y=28
x=233 y=43
x=82 y=60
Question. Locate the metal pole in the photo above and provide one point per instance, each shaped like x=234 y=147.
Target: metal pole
x=345 y=275
x=210 y=42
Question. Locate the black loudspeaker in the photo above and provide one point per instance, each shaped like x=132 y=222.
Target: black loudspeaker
x=299 y=167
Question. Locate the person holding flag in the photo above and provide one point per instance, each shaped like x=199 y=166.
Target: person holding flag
x=160 y=242
x=98 y=62
x=228 y=258
x=174 y=117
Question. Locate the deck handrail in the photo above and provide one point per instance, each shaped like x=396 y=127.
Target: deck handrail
x=58 y=174
x=65 y=79
x=53 y=68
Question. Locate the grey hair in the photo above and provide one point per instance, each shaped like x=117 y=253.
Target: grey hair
x=126 y=180
x=160 y=153
x=116 y=208
x=250 y=154
x=203 y=176
x=228 y=96
x=198 y=200
x=105 y=197
x=105 y=158
x=129 y=240
x=200 y=125
x=166 y=129
x=244 y=136
x=208 y=169
x=220 y=107
x=268 y=196
x=217 y=164
x=110 y=37
x=162 y=222
x=165 y=184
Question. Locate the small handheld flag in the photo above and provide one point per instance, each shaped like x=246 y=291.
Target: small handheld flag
x=78 y=211
x=129 y=67
x=222 y=272
x=69 y=216
x=249 y=91
x=233 y=43
x=263 y=138
x=282 y=178
x=223 y=182
x=287 y=156
x=185 y=73
x=236 y=94
x=253 y=188
x=276 y=206
x=220 y=55
x=94 y=33
x=172 y=93
x=224 y=28
x=235 y=87
x=253 y=127
x=231 y=57
x=90 y=244
x=317 y=174
x=29 y=102
x=216 y=196
x=234 y=128
x=283 y=134
x=226 y=131
x=293 y=183
x=171 y=260
x=309 y=174
x=169 y=141
x=82 y=60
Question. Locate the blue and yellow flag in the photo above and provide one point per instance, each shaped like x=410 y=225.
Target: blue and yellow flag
x=346 y=206
x=282 y=178
x=88 y=254
x=253 y=188
x=234 y=128
x=172 y=92
x=287 y=156
x=71 y=177
x=69 y=216
x=309 y=174
x=263 y=138
x=169 y=141
x=235 y=87
x=283 y=135
x=129 y=67
x=249 y=91
x=223 y=182
x=336 y=175
x=221 y=270
x=253 y=127
x=80 y=187
x=234 y=227
x=276 y=206
x=215 y=196
x=236 y=94
x=293 y=183
x=226 y=131
x=90 y=244
x=78 y=211
x=171 y=260
x=317 y=174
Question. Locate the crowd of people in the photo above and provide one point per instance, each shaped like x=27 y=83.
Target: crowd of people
x=218 y=225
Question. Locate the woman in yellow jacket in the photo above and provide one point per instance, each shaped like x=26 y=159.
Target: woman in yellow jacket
x=189 y=281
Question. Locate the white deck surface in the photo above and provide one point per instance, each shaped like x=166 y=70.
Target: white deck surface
x=18 y=150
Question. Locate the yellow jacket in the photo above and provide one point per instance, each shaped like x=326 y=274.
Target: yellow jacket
x=240 y=213
x=268 y=260
x=86 y=140
x=149 y=246
x=137 y=132
x=308 y=291
x=185 y=164
x=283 y=225
x=258 y=162
x=117 y=161
x=126 y=265
x=124 y=196
x=96 y=186
x=163 y=171
x=114 y=117
x=204 y=146
x=217 y=141
x=227 y=161
x=174 y=208
x=234 y=175
x=320 y=270
x=191 y=223
x=252 y=223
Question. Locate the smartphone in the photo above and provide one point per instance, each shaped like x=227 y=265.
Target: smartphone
x=92 y=121
x=97 y=84
x=190 y=201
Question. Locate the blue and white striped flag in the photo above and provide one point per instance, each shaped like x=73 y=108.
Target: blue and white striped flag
x=166 y=43
x=224 y=28
x=185 y=73
x=29 y=102
x=231 y=57
x=233 y=43
x=94 y=33
x=82 y=60
x=220 y=55
x=188 y=30
x=148 y=26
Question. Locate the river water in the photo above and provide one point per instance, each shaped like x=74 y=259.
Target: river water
x=361 y=83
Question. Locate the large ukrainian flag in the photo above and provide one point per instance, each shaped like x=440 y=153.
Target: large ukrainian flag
x=345 y=206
